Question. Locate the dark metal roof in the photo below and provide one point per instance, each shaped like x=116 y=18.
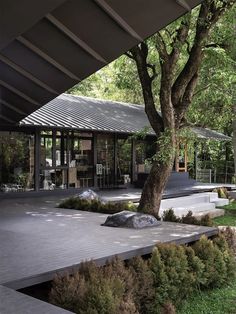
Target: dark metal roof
x=48 y=46
x=85 y=113
x=204 y=133
x=90 y=114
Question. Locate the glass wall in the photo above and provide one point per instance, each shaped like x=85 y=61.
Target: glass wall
x=144 y=151
x=105 y=158
x=53 y=160
x=124 y=161
x=16 y=161
x=81 y=168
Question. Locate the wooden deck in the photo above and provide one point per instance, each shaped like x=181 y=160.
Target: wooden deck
x=38 y=240
x=13 y=302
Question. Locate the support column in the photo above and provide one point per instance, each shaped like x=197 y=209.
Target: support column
x=115 y=159
x=95 y=160
x=68 y=145
x=195 y=159
x=133 y=159
x=37 y=159
x=54 y=148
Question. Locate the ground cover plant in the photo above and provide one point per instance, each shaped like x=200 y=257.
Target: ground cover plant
x=205 y=220
x=96 y=205
x=160 y=284
x=217 y=301
x=112 y=208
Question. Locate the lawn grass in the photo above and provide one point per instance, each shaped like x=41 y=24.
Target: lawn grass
x=229 y=218
x=226 y=220
x=216 y=301
x=230 y=207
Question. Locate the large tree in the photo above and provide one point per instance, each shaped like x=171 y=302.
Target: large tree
x=180 y=48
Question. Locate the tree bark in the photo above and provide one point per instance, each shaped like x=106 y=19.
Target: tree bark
x=154 y=187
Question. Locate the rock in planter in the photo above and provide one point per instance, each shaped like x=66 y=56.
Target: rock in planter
x=88 y=195
x=131 y=220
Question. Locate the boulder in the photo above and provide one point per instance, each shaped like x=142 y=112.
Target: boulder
x=118 y=219
x=140 y=221
x=133 y=220
x=88 y=195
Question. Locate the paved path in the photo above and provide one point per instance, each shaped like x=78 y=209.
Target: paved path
x=37 y=240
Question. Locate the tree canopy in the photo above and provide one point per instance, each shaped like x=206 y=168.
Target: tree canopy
x=188 y=62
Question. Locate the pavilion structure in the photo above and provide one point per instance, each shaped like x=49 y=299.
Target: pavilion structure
x=80 y=142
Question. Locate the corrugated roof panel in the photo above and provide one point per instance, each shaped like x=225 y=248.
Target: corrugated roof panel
x=85 y=113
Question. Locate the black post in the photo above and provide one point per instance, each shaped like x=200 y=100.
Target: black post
x=115 y=159
x=95 y=160
x=133 y=159
x=36 y=159
x=195 y=159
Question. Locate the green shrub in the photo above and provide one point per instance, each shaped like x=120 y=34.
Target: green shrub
x=168 y=308
x=189 y=219
x=94 y=290
x=170 y=268
x=96 y=205
x=228 y=255
x=206 y=221
x=144 y=293
x=154 y=286
x=230 y=236
x=215 y=271
x=195 y=269
x=169 y=215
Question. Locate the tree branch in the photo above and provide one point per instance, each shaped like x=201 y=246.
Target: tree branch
x=154 y=72
x=186 y=100
x=201 y=90
x=140 y=54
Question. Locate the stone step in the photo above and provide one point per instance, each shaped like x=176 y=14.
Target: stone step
x=187 y=200
x=212 y=213
x=221 y=202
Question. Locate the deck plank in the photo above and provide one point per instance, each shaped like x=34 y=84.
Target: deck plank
x=38 y=240
x=12 y=302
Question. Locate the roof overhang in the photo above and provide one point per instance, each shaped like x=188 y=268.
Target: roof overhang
x=88 y=114
x=48 y=46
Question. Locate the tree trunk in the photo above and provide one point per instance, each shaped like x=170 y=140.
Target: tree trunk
x=154 y=187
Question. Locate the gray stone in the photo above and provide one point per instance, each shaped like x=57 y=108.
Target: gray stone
x=140 y=221
x=131 y=220
x=118 y=219
x=89 y=195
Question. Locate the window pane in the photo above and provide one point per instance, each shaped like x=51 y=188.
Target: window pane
x=46 y=152
x=105 y=157
x=52 y=179
x=81 y=163
x=16 y=161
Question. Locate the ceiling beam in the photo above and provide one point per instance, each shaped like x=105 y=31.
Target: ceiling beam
x=47 y=58
x=6 y=104
x=19 y=93
x=184 y=4
x=119 y=20
x=75 y=38
x=27 y=75
x=7 y=119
